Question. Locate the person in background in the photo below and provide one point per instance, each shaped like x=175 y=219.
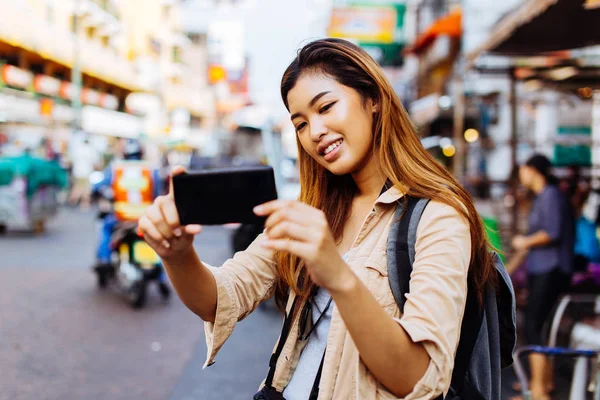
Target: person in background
x=548 y=249
x=84 y=160
x=132 y=154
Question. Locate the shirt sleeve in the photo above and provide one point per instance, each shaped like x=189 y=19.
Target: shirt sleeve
x=551 y=221
x=242 y=283
x=438 y=291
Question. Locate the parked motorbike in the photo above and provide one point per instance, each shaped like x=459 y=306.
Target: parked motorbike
x=133 y=263
x=133 y=266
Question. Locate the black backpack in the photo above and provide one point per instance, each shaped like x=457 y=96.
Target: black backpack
x=488 y=333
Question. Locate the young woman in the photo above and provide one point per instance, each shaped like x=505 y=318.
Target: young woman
x=548 y=248
x=359 y=156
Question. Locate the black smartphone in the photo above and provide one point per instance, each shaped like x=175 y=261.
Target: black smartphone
x=222 y=196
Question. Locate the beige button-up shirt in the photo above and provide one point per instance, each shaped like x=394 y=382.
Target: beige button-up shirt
x=432 y=314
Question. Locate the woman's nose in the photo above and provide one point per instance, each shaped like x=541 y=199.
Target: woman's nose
x=317 y=129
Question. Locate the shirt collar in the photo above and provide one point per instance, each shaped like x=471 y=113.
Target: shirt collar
x=392 y=195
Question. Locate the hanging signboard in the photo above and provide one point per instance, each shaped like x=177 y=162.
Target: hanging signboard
x=378 y=27
x=47 y=85
x=363 y=23
x=91 y=97
x=17 y=77
x=66 y=90
x=109 y=101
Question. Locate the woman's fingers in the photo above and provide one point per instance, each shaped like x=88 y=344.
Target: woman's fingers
x=291 y=211
x=272 y=206
x=159 y=246
x=149 y=230
x=294 y=247
x=178 y=169
x=192 y=229
x=170 y=214
x=155 y=215
x=288 y=229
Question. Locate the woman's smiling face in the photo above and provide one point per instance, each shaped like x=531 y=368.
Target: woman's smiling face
x=333 y=123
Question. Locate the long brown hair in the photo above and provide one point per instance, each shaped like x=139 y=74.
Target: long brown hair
x=403 y=159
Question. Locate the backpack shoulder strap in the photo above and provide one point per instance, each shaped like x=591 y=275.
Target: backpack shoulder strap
x=401 y=255
x=469 y=331
x=401 y=246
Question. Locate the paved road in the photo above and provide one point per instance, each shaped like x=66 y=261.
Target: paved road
x=62 y=338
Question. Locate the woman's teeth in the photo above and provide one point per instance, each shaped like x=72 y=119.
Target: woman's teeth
x=333 y=146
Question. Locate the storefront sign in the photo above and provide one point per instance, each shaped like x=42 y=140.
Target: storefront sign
x=91 y=97
x=381 y=34
x=16 y=109
x=66 y=90
x=46 y=106
x=216 y=74
x=363 y=23
x=109 y=101
x=142 y=103
x=16 y=77
x=100 y=121
x=62 y=113
x=47 y=85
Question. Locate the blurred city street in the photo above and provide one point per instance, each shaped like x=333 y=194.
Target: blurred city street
x=63 y=338
x=101 y=99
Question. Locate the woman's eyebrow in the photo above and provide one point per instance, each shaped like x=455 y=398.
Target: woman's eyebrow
x=311 y=103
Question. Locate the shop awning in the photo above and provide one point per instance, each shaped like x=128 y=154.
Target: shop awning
x=540 y=26
x=449 y=25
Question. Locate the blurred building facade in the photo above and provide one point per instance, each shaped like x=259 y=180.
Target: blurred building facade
x=547 y=77
x=40 y=42
x=496 y=106
x=170 y=62
x=137 y=77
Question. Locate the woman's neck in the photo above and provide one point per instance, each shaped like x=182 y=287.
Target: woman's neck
x=539 y=185
x=369 y=180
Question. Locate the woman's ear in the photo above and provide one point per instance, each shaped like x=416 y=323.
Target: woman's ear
x=374 y=107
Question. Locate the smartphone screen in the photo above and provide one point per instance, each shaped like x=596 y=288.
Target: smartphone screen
x=222 y=196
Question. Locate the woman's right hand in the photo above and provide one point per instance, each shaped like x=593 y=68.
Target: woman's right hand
x=161 y=227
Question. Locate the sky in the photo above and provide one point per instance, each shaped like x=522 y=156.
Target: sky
x=273 y=31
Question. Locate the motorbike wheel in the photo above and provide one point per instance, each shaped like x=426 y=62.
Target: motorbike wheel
x=102 y=280
x=164 y=290
x=137 y=295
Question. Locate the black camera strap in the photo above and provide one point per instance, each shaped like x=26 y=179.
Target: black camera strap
x=285 y=331
x=314 y=392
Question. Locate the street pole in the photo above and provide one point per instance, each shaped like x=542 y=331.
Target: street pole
x=513 y=153
x=596 y=140
x=76 y=72
x=458 y=161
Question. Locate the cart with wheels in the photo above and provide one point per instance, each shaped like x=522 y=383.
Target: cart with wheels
x=584 y=347
x=28 y=192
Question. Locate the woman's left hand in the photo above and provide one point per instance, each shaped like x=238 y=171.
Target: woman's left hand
x=519 y=243
x=303 y=230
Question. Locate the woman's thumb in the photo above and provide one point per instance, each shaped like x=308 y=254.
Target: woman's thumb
x=176 y=170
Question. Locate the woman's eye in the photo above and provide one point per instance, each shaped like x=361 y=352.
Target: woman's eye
x=300 y=127
x=326 y=108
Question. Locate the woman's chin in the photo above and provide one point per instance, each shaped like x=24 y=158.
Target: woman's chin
x=339 y=168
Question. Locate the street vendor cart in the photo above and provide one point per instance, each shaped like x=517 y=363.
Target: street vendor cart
x=28 y=192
